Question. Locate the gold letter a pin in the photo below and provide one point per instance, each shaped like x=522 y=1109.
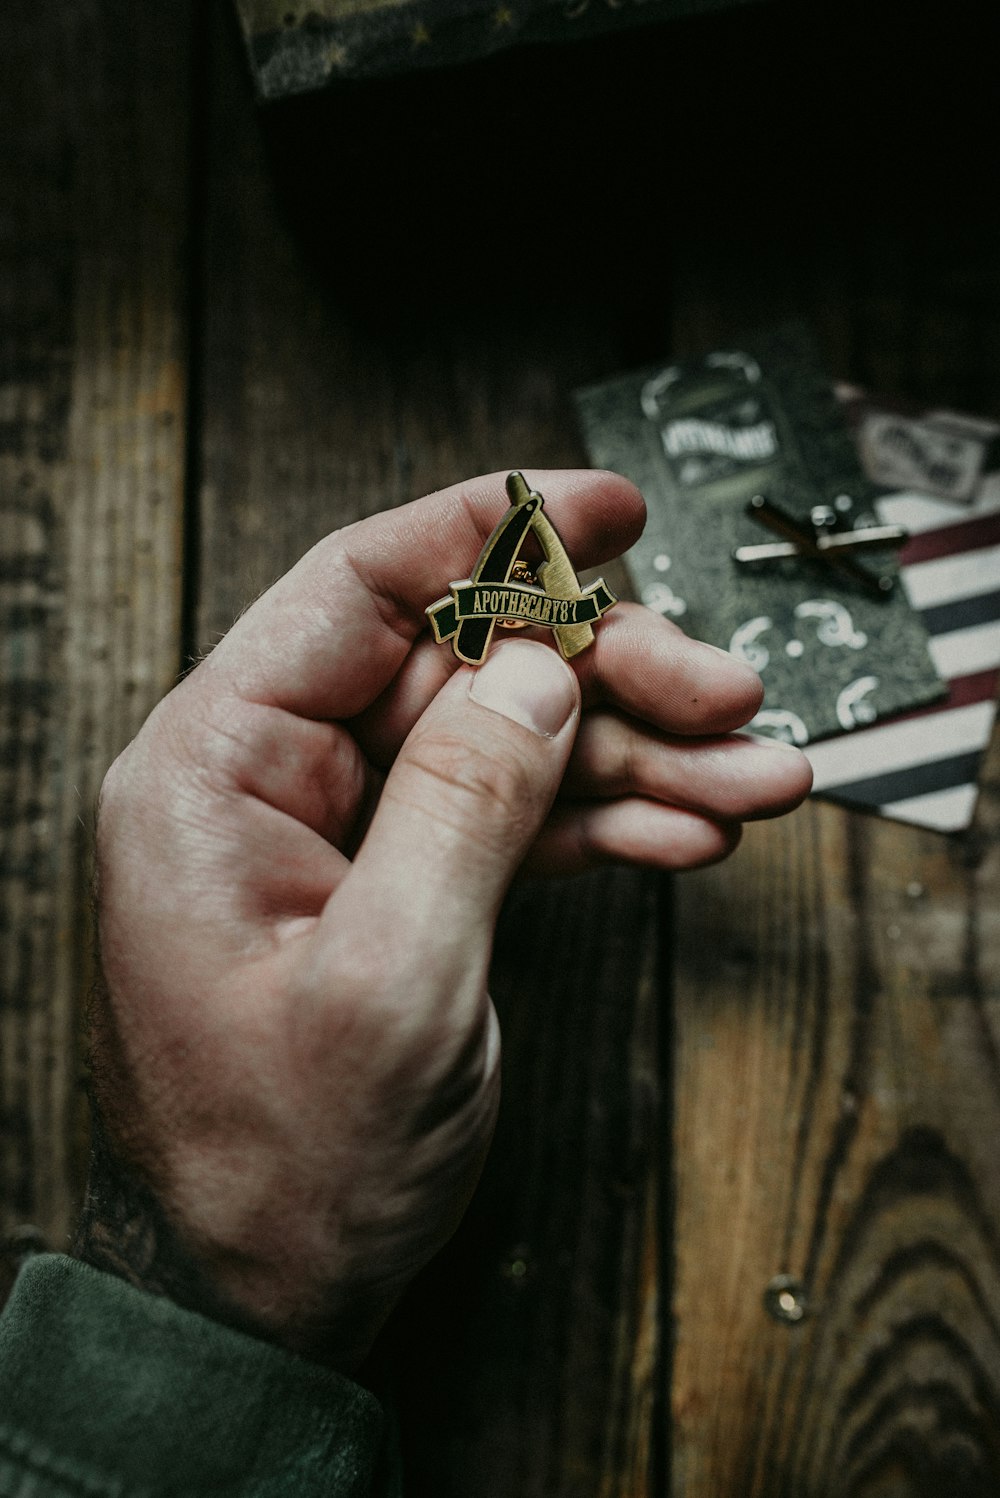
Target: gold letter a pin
x=473 y=607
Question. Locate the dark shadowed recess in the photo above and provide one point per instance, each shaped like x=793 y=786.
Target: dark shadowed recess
x=558 y=172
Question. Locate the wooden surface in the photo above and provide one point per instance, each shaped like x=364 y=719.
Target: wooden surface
x=93 y=344
x=225 y=333
x=835 y=1059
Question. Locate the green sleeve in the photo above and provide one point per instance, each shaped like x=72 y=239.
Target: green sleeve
x=107 y=1392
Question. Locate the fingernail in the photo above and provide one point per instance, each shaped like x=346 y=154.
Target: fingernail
x=727 y=656
x=765 y=741
x=529 y=683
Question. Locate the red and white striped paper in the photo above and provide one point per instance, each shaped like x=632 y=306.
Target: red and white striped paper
x=922 y=767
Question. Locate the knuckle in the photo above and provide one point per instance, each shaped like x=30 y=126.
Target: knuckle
x=112 y=784
x=474 y=789
x=112 y=800
x=213 y=737
x=620 y=755
x=187 y=743
x=631 y=761
x=594 y=848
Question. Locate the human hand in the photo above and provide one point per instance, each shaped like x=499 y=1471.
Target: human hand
x=301 y=858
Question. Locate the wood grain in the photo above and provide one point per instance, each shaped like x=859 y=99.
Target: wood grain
x=836 y=1081
x=400 y=287
x=837 y=1115
x=92 y=301
x=525 y=1362
x=527 y=1357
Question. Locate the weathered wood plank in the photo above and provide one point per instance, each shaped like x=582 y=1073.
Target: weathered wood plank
x=837 y=1112
x=93 y=201
x=837 y=991
x=525 y=1362
x=528 y=1356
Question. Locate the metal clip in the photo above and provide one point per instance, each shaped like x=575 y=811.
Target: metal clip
x=821 y=538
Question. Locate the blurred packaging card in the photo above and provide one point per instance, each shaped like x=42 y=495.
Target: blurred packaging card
x=296 y=48
x=936 y=453
x=700 y=438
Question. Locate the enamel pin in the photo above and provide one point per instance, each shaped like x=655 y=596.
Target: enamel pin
x=502 y=591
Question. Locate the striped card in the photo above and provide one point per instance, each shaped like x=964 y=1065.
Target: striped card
x=921 y=767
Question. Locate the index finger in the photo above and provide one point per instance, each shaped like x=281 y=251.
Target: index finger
x=330 y=635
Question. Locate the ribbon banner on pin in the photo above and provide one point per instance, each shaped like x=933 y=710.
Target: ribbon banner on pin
x=468 y=615
x=516 y=601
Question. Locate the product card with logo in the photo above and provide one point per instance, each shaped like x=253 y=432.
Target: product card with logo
x=940 y=453
x=701 y=438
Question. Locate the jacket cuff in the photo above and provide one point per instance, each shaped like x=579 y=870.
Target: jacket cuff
x=121 y=1391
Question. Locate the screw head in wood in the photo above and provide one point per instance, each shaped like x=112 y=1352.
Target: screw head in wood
x=785 y=1299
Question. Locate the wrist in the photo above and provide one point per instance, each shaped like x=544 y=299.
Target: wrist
x=125 y=1230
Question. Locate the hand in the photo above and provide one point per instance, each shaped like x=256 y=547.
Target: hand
x=301 y=859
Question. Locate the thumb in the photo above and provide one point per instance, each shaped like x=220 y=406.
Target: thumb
x=467 y=796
